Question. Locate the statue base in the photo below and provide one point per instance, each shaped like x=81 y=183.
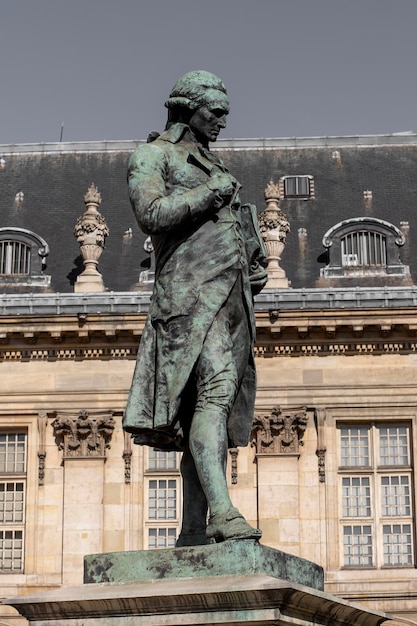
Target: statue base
x=233 y=557
x=204 y=585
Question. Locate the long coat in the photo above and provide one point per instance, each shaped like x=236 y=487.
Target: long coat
x=200 y=254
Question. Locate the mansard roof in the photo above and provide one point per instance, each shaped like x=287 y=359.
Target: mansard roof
x=54 y=178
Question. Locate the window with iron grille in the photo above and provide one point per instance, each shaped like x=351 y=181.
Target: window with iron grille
x=364 y=248
x=12 y=501
x=376 y=479
x=163 y=499
x=14 y=258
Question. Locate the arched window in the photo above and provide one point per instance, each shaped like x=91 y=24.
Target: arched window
x=23 y=256
x=363 y=249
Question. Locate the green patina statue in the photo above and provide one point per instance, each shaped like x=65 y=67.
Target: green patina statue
x=194 y=383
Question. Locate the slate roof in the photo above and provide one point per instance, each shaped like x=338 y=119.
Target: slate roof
x=55 y=177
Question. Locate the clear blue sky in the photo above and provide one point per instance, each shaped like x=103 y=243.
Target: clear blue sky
x=292 y=67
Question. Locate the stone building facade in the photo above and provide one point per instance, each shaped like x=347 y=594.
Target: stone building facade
x=329 y=474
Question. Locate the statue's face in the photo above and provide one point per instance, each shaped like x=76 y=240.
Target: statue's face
x=207 y=122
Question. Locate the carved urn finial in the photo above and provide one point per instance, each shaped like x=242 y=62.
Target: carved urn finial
x=274 y=228
x=91 y=231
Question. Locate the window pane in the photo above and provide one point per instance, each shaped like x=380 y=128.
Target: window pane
x=161 y=460
x=12 y=452
x=398 y=548
x=395 y=496
x=393 y=445
x=355 y=446
x=357 y=541
x=162 y=499
x=11 y=550
x=356 y=496
x=161 y=538
x=12 y=502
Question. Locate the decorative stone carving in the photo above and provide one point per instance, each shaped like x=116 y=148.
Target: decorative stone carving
x=274 y=228
x=320 y=420
x=91 y=231
x=281 y=431
x=127 y=457
x=233 y=455
x=42 y=423
x=84 y=435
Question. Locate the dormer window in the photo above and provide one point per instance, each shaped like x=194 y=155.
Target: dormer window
x=297 y=187
x=23 y=256
x=363 y=251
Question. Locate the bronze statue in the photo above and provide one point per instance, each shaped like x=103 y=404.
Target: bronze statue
x=194 y=383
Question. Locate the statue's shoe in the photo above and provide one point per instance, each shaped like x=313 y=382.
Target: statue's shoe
x=231 y=525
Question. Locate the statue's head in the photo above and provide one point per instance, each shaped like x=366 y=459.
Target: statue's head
x=196 y=96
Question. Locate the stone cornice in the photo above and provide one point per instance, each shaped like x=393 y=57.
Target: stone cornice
x=279 y=333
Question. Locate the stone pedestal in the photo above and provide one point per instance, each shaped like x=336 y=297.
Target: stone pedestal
x=227 y=584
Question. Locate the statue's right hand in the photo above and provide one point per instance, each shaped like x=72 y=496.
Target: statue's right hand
x=222 y=183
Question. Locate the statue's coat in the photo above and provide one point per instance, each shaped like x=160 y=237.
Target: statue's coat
x=199 y=258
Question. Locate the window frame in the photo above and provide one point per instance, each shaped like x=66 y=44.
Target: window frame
x=299 y=181
x=159 y=466
x=376 y=472
x=15 y=526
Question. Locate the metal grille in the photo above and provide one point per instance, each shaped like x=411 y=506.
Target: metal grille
x=363 y=248
x=14 y=258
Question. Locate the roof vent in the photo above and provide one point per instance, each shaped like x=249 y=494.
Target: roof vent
x=2 y=163
x=19 y=197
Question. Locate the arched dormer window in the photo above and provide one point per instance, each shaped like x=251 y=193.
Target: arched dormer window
x=23 y=256
x=361 y=249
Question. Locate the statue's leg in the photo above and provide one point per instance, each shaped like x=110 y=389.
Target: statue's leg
x=194 y=506
x=217 y=380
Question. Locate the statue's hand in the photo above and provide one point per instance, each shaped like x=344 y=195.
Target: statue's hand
x=223 y=184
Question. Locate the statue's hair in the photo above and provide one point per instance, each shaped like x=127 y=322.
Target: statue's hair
x=190 y=91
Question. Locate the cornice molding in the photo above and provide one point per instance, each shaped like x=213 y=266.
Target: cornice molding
x=279 y=333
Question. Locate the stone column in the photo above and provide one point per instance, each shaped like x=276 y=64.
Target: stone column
x=274 y=227
x=91 y=231
x=83 y=438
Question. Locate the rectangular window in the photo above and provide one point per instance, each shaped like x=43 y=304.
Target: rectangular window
x=161 y=460
x=163 y=502
x=358 y=551
x=163 y=499
x=12 y=500
x=398 y=544
x=356 y=496
x=376 y=490
x=161 y=538
x=297 y=186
